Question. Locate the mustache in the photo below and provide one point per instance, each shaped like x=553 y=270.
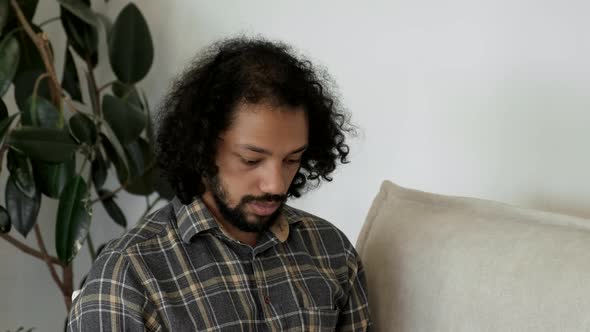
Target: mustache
x=264 y=198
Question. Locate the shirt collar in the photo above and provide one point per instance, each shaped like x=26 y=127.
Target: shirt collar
x=196 y=218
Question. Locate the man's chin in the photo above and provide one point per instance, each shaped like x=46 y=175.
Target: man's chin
x=257 y=223
x=253 y=226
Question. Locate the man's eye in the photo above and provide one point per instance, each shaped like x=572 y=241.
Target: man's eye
x=293 y=161
x=250 y=162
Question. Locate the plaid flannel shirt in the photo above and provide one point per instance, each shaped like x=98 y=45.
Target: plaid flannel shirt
x=179 y=271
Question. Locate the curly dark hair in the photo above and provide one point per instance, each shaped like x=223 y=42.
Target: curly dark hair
x=200 y=105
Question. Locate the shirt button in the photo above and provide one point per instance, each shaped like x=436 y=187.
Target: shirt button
x=267 y=300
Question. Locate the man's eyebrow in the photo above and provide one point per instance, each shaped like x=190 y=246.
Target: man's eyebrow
x=266 y=152
x=301 y=149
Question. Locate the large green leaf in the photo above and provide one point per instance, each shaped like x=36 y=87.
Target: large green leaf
x=30 y=58
x=70 y=80
x=127 y=93
x=44 y=144
x=91 y=85
x=140 y=158
x=5 y=124
x=73 y=219
x=99 y=169
x=125 y=119
x=28 y=8
x=142 y=185
x=3 y=109
x=39 y=112
x=9 y=55
x=24 y=83
x=83 y=128
x=5 y=224
x=22 y=209
x=82 y=35
x=112 y=208
x=135 y=157
x=4 y=8
x=21 y=170
x=116 y=155
x=81 y=9
x=131 y=51
x=52 y=178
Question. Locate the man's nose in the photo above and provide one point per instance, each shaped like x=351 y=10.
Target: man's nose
x=272 y=180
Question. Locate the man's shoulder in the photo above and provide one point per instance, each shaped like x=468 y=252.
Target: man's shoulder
x=305 y=222
x=115 y=272
x=154 y=225
x=295 y=215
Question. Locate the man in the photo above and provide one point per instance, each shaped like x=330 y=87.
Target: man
x=246 y=127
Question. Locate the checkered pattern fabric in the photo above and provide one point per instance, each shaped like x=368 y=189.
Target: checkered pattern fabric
x=179 y=271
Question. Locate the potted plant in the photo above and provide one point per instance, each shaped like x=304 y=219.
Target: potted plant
x=68 y=130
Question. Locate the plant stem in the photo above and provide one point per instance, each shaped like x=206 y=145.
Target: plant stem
x=28 y=250
x=70 y=105
x=83 y=166
x=91 y=249
x=109 y=195
x=47 y=21
x=42 y=44
x=68 y=275
x=2 y=151
x=106 y=86
x=38 y=82
x=68 y=272
x=93 y=90
x=47 y=259
x=123 y=186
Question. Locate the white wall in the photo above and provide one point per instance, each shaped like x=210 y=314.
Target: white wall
x=485 y=98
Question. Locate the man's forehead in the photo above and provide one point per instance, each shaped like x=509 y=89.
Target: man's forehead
x=259 y=108
x=267 y=141
x=262 y=150
x=263 y=121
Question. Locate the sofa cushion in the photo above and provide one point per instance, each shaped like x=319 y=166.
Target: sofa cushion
x=441 y=263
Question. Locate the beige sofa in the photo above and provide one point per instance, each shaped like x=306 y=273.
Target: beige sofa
x=441 y=263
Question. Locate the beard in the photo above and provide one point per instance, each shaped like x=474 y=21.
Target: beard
x=237 y=216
